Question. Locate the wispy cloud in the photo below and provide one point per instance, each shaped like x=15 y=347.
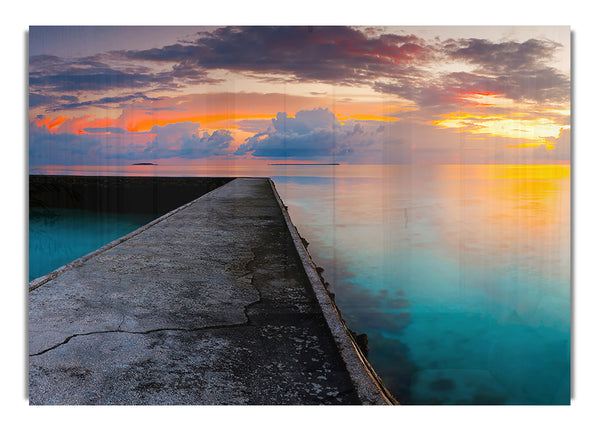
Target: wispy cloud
x=105 y=101
x=54 y=74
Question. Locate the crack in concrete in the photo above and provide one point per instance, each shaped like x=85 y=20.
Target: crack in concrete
x=150 y=331
x=203 y=328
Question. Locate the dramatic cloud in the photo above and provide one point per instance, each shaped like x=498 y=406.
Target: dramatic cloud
x=545 y=85
x=402 y=65
x=314 y=135
x=370 y=95
x=340 y=54
x=517 y=70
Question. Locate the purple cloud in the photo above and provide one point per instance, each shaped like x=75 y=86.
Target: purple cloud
x=341 y=54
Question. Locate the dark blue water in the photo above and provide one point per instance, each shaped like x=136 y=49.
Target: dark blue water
x=58 y=236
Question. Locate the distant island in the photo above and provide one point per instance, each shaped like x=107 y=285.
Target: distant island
x=303 y=164
x=144 y=164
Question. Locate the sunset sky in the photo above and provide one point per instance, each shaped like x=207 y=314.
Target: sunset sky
x=180 y=95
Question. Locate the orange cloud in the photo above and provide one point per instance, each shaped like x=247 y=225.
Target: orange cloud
x=223 y=110
x=78 y=124
x=40 y=121
x=141 y=122
x=56 y=122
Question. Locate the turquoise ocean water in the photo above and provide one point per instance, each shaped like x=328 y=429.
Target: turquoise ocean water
x=459 y=275
x=58 y=236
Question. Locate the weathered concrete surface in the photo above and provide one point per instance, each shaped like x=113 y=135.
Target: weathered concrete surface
x=209 y=306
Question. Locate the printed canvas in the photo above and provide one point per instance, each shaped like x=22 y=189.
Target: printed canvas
x=286 y=215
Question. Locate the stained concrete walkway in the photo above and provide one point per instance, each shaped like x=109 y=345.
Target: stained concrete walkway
x=211 y=305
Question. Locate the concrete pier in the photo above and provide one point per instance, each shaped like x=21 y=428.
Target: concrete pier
x=213 y=304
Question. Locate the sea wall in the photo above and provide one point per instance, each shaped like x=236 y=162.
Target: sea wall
x=147 y=195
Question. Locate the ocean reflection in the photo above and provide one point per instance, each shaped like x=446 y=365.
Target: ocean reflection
x=459 y=274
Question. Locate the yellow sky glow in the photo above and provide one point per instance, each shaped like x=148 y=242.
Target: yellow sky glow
x=509 y=126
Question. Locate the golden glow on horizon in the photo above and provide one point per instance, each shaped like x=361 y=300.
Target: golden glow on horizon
x=507 y=126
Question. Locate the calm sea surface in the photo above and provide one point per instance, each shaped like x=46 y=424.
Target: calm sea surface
x=459 y=275
x=58 y=236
